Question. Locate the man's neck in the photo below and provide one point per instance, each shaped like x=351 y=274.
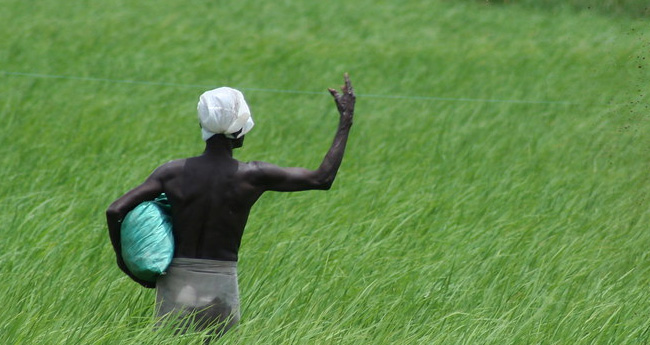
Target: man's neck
x=218 y=145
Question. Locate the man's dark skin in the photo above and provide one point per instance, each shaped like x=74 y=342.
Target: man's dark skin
x=212 y=194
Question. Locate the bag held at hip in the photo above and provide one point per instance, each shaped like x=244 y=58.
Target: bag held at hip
x=147 y=240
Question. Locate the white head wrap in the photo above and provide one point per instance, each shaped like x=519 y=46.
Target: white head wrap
x=224 y=111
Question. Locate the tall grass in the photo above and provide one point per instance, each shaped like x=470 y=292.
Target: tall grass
x=494 y=189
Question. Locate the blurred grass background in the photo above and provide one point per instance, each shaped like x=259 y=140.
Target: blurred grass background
x=493 y=192
x=624 y=8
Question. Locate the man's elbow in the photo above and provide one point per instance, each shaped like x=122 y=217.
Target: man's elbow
x=113 y=213
x=325 y=183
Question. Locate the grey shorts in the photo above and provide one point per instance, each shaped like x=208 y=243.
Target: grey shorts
x=201 y=293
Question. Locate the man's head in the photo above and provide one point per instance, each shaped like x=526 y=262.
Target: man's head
x=224 y=111
x=238 y=140
x=222 y=140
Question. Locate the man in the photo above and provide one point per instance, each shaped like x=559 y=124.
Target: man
x=211 y=196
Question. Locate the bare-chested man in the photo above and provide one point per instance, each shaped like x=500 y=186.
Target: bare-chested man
x=211 y=196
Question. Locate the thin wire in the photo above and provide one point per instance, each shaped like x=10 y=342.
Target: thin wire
x=154 y=83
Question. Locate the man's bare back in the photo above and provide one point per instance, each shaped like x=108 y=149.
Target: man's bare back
x=211 y=198
x=212 y=194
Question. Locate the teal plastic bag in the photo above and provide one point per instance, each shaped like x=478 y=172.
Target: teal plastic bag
x=147 y=240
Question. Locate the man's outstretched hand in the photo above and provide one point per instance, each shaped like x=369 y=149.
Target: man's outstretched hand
x=345 y=100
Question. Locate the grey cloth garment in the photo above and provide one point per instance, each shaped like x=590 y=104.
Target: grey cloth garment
x=200 y=293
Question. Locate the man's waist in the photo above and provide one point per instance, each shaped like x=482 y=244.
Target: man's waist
x=207 y=265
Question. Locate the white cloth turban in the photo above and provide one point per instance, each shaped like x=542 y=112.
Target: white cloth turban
x=224 y=111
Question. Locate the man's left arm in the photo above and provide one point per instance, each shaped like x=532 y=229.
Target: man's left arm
x=116 y=212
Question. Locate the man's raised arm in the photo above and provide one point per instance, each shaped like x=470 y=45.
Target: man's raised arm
x=272 y=177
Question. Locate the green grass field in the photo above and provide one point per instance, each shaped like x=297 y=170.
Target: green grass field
x=494 y=190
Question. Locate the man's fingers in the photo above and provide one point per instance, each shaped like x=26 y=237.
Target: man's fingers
x=348 y=84
x=345 y=88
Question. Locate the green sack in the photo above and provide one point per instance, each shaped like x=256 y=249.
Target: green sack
x=147 y=240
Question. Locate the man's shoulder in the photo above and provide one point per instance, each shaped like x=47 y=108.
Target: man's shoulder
x=252 y=170
x=257 y=164
x=175 y=164
x=262 y=173
x=170 y=168
x=254 y=166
